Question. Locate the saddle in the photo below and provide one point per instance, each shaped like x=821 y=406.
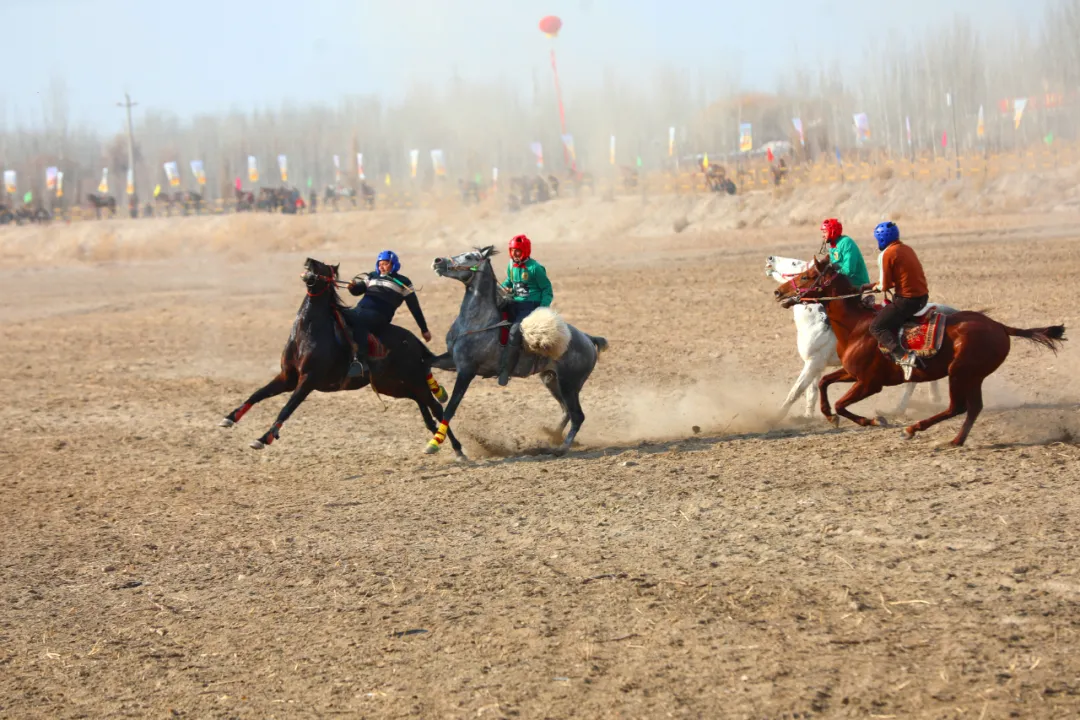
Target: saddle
x=923 y=334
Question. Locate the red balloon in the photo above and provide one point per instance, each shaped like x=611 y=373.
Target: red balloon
x=550 y=25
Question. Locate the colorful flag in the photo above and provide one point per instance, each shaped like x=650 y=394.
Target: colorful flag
x=839 y=158
x=769 y=154
x=1018 y=111
x=671 y=141
x=9 y=182
x=611 y=150
x=172 y=171
x=705 y=162
x=239 y=184
x=157 y=190
x=28 y=197
x=387 y=179
x=414 y=160
x=538 y=151
x=103 y=186
x=131 y=181
x=862 y=127
x=944 y=138
x=50 y=178
x=980 y=129
x=1049 y=139
x=59 y=184
x=568 y=143
x=253 y=169
x=283 y=167
x=337 y=169
x=198 y=172
x=907 y=122
x=438 y=163
x=797 y=122
x=360 y=165
x=746 y=137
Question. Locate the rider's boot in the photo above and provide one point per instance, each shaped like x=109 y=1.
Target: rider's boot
x=511 y=352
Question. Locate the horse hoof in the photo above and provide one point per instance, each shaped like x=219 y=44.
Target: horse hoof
x=257 y=445
x=226 y=422
x=909 y=433
x=559 y=451
x=881 y=422
x=833 y=420
x=461 y=458
x=431 y=448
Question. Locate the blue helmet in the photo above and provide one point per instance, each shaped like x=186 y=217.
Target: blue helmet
x=390 y=255
x=886 y=234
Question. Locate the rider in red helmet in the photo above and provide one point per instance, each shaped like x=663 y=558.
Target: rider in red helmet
x=844 y=253
x=529 y=288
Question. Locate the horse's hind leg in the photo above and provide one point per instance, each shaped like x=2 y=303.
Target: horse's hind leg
x=461 y=385
x=305 y=387
x=909 y=388
x=974 y=407
x=958 y=399
x=571 y=392
x=551 y=382
x=284 y=382
x=432 y=410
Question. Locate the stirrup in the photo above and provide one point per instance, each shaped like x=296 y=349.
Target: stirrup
x=907 y=362
x=357 y=368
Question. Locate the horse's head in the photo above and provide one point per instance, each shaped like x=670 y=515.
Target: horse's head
x=463 y=267
x=818 y=280
x=318 y=276
x=782 y=269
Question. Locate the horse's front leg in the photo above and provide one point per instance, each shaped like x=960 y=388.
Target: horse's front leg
x=840 y=375
x=811 y=369
x=284 y=382
x=304 y=388
x=858 y=392
x=461 y=384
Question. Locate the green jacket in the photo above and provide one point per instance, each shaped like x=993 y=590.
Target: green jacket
x=848 y=259
x=529 y=283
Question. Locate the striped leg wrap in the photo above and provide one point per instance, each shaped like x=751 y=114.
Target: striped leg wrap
x=436 y=389
x=440 y=436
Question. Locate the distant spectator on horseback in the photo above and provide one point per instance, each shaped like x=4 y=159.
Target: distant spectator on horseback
x=529 y=288
x=901 y=273
x=844 y=253
x=384 y=290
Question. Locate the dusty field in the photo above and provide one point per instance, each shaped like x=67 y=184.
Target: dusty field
x=154 y=566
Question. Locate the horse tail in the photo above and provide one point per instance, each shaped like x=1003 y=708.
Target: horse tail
x=1049 y=337
x=599 y=342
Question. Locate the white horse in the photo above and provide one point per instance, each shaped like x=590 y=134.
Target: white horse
x=817 y=344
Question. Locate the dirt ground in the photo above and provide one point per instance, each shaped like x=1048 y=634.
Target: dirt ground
x=155 y=566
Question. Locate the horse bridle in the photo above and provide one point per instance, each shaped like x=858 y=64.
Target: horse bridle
x=328 y=281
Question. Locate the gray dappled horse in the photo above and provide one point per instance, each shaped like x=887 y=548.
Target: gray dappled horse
x=473 y=347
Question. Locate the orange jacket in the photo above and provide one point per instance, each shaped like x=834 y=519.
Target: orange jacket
x=902 y=272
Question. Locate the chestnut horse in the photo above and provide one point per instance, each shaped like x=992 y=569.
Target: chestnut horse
x=974 y=346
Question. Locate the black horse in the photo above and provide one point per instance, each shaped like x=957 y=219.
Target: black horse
x=107 y=202
x=318 y=353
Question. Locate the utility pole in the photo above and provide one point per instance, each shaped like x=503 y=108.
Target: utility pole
x=134 y=199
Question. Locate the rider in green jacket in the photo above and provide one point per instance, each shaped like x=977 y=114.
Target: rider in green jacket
x=844 y=254
x=529 y=288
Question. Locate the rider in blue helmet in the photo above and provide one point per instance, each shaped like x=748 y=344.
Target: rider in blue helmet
x=901 y=273
x=383 y=292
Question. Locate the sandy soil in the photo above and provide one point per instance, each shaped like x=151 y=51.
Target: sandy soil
x=154 y=566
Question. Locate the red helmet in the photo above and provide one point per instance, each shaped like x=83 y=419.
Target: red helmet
x=831 y=229
x=522 y=243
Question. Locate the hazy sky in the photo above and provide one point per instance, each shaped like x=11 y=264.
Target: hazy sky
x=192 y=56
